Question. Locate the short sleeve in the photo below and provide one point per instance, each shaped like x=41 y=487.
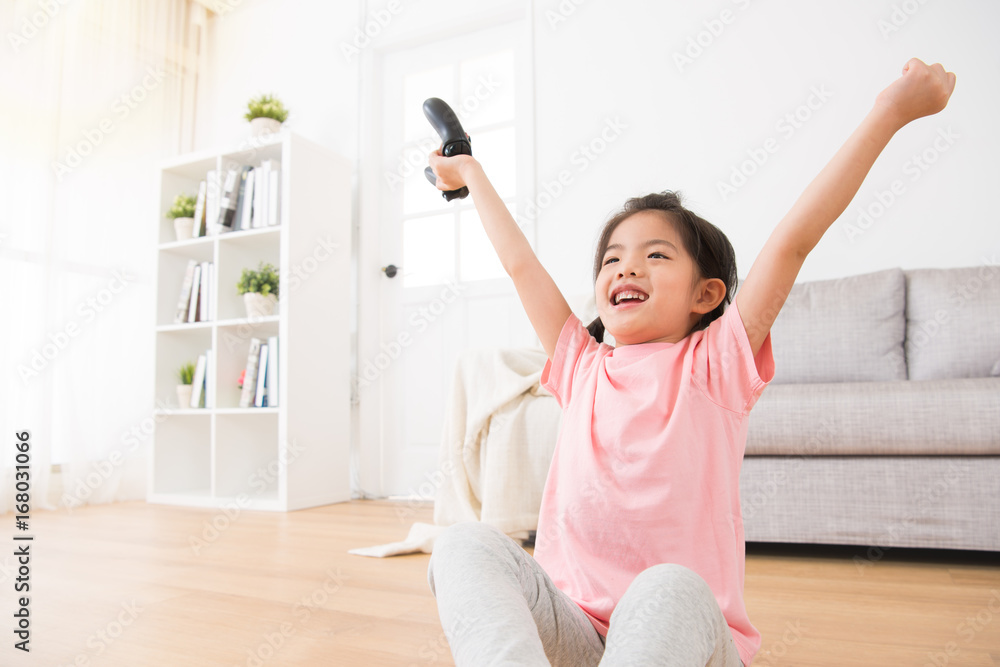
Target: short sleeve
x=575 y=350
x=725 y=367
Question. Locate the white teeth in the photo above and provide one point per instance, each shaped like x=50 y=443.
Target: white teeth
x=629 y=294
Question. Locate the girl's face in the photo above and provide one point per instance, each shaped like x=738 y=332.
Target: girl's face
x=649 y=289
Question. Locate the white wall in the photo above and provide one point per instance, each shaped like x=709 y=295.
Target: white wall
x=689 y=126
x=291 y=49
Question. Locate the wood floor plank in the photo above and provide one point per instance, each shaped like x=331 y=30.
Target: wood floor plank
x=132 y=584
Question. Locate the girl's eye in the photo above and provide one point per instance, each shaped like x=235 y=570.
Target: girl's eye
x=658 y=254
x=609 y=260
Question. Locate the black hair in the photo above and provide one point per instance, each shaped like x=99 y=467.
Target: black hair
x=711 y=250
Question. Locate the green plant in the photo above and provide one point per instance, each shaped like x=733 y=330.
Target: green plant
x=186 y=373
x=263 y=280
x=183 y=207
x=266 y=106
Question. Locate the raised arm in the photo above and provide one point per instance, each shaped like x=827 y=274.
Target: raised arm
x=922 y=90
x=543 y=302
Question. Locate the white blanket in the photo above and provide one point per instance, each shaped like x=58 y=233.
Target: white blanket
x=499 y=434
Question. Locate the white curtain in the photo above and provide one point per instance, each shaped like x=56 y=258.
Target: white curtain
x=95 y=95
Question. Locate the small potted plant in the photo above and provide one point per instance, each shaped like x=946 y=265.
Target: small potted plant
x=186 y=375
x=266 y=113
x=259 y=289
x=182 y=213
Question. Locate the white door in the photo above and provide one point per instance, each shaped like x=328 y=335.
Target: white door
x=450 y=293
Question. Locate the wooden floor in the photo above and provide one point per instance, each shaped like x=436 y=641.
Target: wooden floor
x=133 y=584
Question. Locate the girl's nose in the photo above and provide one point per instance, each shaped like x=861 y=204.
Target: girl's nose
x=629 y=269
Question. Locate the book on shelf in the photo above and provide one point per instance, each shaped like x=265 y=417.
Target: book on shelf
x=273 y=198
x=199 y=210
x=213 y=192
x=198 y=384
x=246 y=219
x=185 y=297
x=228 y=200
x=192 y=315
x=259 y=190
x=250 y=374
x=241 y=190
x=209 y=293
x=260 y=397
x=265 y=214
x=272 y=371
x=204 y=300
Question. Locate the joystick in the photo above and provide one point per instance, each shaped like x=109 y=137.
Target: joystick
x=454 y=140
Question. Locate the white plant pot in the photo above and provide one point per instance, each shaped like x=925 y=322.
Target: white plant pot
x=260 y=127
x=184 y=395
x=184 y=228
x=258 y=305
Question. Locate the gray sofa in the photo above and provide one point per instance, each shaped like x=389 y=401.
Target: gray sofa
x=882 y=424
x=880 y=428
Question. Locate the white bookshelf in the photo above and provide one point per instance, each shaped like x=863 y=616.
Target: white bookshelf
x=294 y=455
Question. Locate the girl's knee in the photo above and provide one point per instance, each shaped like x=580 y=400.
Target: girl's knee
x=466 y=535
x=672 y=578
x=459 y=543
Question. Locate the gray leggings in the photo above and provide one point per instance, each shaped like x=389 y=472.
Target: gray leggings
x=499 y=607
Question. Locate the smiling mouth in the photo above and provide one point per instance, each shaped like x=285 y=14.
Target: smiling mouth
x=628 y=297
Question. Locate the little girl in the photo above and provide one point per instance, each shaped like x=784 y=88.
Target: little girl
x=639 y=554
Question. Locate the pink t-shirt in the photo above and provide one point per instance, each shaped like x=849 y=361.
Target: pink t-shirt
x=646 y=469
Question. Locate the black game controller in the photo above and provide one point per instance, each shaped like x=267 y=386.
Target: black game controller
x=454 y=140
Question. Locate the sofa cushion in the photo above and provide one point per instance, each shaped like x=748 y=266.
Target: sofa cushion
x=843 y=330
x=938 y=417
x=953 y=322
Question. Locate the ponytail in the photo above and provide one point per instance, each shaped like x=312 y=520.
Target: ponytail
x=596 y=329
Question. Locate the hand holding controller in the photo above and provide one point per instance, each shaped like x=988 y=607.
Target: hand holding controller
x=454 y=140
